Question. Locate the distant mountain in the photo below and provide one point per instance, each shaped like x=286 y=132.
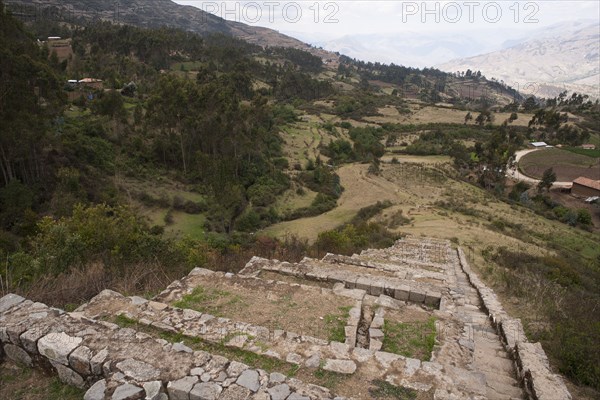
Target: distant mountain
x=554 y=59
x=414 y=49
x=153 y=14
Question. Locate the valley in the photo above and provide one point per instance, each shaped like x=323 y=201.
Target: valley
x=192 y=214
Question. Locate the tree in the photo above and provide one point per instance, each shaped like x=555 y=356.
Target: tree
x=548 y=178
x=468 y=117
x=530 y=104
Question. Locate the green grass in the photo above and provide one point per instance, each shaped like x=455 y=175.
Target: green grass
x=578 y=150
x=191 y=225
x=336 y=324
x=385 y=390
x=27 y=384
x=410 y=339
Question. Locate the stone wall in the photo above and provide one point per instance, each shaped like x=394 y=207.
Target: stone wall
x=120 y=363
x=532 y=365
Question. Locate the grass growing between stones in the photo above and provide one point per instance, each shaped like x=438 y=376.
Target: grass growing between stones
x=336 y=324
x=385 y=390
x=249 y=358
x=209 y=300
x=411 y=339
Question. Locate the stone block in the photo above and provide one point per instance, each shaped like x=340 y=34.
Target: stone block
x=153 y=390
x=68 y=376
x=79 y=360
x=96 y=391
x=249 y=379
x=17 y=354
x=9 y=301
x=416 y=296
x=128 y=391
x=401 y=292
x=14 y=332
x=279 y=392
x=340 y=366
x=57 y=346
x=364 y=283
x=181 y=388
x=97 y=361
x=433 y=298
x=138 y=370
x=30 y=338
x=205 y=391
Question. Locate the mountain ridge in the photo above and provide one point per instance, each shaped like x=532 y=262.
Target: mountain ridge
x=157 y=13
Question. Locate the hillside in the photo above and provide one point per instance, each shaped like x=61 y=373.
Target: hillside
x=133 y=157
x=544 y=66
x=154 y=14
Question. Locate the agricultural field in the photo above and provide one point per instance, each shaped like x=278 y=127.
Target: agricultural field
x=567 y=165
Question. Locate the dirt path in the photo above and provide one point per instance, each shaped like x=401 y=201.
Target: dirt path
x=360 y=190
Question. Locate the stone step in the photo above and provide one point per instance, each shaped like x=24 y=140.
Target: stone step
x=121 y=363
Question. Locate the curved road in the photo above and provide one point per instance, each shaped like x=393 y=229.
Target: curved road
x=513 y=172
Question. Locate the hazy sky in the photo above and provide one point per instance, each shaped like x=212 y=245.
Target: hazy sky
x=331 y=19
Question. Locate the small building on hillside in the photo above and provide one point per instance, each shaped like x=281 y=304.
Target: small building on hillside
x=538 y=144
x=90 y=83
x=585 y=187
x=588 y=146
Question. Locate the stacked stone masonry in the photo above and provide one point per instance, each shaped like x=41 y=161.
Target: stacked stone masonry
x=480 y=351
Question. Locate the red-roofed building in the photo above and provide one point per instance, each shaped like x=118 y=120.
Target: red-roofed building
x=585 y=187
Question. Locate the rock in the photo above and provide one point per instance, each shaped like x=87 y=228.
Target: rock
x=79 y=360
x=294 y=358
x=181 y=348
x=411 y=366
x=197 y=371
x=128 y=392
x=375 y=333
x=137 y=301
x=235 y=369
x=97 y=361
x=191 y=314
x=276 y=377
x=13 y=333
x=96 y=392
x=249 y=380
x=153 y=390
x=313 y=361
x=57 y=346
x=30 y=338
x=68 y=376
x=17 y=354
x=180 y=389
x=340 y=350
x=386 y=359
x=157 y=306
x=9 y=301
x=205 y=391
x=340 y=366
x=201 y=358
x=279 y=392
x=235 y=392
x=361 y=355
x=296 y=396
x=138 y=370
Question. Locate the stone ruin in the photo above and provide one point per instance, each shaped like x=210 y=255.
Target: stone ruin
x=273 y=310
